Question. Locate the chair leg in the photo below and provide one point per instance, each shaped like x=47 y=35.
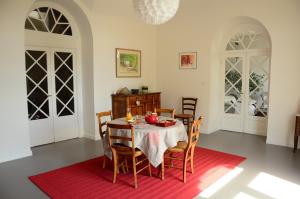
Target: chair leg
x=184 y=166
x=149 y=167
x=192 y=159
x=115 y=159
x=104 y=162
x=126 y=165
x=134 y=172
x=170 y=160
x=162 y=170
x=123 y=164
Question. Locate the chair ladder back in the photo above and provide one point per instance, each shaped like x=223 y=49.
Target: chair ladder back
x=112 y=138
x=102 y=124
x=194 y=132
x=189 y=104
x=165 y=110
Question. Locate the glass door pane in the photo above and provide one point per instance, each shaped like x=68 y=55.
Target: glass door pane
x=233 y=85
x=64 y=83
x=258 y=85
x=37 y=84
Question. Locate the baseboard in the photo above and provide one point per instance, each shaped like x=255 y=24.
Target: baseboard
x=15 y=157
x=289 y=145
x=89 y=136
x=205 y=132
x=92 y=136
x=210 y=131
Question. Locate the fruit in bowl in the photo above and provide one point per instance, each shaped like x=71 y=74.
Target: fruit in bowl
x=151 y=119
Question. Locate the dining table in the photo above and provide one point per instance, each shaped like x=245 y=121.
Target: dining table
x=151 y=139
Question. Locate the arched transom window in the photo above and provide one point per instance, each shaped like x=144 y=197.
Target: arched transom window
x=47 y=19
x=248 y=40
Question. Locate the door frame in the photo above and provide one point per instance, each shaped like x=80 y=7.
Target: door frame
x=75 y=92
x=262 y=122
x=36 y=126
x=51 y=89
x=237 y=119
x=243 y=117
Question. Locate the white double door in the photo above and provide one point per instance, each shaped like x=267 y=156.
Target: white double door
x=51 y=94
x=246 y=91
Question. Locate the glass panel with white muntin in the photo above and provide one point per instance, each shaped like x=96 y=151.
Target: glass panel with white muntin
x=233 y=85
x=64 y=83
x=258 y=85
x=248 y=40
x=47 y=19
x=37 y=84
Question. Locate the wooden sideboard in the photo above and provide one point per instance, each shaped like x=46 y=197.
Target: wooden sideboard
x=139 y=103
x=297 y=132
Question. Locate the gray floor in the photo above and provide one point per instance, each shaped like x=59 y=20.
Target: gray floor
x=273 y=160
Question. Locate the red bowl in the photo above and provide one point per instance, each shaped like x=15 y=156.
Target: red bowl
x=166 y=123
x=151 y=119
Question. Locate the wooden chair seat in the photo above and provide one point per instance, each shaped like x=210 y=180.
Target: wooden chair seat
x=184 y=116
x=126 y=150
x=180 y=147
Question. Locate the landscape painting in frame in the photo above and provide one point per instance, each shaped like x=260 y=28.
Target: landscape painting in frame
x=188 y=60
x=128 y=63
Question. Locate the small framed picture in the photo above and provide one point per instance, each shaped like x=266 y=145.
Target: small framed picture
x=188 y=60
x=128 y=63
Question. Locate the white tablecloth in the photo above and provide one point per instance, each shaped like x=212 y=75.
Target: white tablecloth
x=152 y=140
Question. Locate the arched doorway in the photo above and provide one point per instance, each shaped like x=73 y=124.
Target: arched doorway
x=246 y=74
x=54 y=74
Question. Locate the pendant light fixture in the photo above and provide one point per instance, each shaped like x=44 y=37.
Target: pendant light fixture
x=156 y=12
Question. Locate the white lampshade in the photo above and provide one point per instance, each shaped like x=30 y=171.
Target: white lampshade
x=156 y=11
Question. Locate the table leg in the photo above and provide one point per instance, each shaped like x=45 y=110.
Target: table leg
x=161 y=172
x=295 y=143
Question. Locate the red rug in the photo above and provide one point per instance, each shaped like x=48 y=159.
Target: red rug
x=88 y=179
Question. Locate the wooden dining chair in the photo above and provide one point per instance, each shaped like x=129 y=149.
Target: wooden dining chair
x=159 y=111
x=187 y=115
x=103 y=118
x=118 y=150
x=186 y=148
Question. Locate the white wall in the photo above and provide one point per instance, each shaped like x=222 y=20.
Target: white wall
x=115 y=25
x=196 y=27
x=14 y=140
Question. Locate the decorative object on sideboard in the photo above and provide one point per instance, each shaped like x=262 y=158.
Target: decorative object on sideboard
x=144 y=89
x=156 y=12
x=188 y=60
x=138 y=102
x=128 y=63
x=123 y=91
x=135 y=91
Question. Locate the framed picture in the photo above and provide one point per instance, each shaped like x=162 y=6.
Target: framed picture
x=128 y=63
x=188 y=60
